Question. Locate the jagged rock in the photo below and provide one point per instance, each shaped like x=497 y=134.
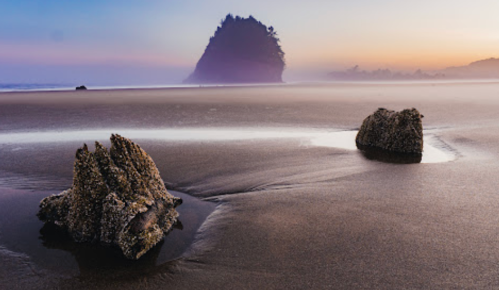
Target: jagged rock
x=117 y=198
x=243 y=50
x=81 y=88
x=400 y=132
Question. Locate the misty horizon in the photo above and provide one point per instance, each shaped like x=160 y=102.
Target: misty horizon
x=125 y=43
x=101 y=75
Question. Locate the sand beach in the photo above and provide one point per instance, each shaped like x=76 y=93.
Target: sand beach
x=275 y=194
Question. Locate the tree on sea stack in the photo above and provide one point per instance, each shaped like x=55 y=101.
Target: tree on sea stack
x=242 y=50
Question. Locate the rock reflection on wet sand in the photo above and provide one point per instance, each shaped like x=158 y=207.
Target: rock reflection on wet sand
x=373 y=153
x=52 y=249
x=434 y=151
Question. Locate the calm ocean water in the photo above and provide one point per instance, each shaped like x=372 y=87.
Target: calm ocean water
x=33 y=87
x=15 y=87
x=19 y=87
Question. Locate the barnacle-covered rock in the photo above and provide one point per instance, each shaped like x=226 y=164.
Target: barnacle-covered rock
x=400 y=132
x=117 y=198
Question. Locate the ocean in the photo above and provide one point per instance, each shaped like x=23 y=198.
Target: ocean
x=20 y=87
x=13 y=87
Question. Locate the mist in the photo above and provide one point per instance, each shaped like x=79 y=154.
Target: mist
x=94 y=74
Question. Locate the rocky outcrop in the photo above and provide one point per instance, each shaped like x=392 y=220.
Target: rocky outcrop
x=243 y=50
x=80 y=88
x=117 y=198
x=400 y=132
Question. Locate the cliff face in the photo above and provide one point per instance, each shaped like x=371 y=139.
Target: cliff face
x=243 y=50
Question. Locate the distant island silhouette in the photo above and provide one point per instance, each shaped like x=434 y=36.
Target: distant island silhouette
x=355 y=74
x=486 y=68
x=482 y=69
x=242 y=50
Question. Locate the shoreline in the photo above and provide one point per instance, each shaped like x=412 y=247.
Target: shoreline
x=100 y=88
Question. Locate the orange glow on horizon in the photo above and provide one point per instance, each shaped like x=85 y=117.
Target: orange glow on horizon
x=398 y=58
x=328 y=57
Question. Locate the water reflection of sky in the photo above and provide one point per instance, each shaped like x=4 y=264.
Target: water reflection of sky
x=434 y=151
x=433 y=148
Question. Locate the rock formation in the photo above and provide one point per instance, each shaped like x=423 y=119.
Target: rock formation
x=400 y=132
x=81 y=88
x=243 y=50
x=117 y=198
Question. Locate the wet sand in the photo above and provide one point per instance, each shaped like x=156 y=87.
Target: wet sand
x=290 y=214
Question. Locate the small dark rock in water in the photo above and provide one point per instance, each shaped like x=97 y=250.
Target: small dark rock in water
x=81 y=88
x=117 y=198
x=400 y=132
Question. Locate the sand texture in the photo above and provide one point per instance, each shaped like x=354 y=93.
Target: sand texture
x=289 y=215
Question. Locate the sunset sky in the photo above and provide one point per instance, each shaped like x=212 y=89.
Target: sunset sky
x=160 y=41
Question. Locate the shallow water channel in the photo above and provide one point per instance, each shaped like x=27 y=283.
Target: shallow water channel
x=435 y=151
x=50 y=249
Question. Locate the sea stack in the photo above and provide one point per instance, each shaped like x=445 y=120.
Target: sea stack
x=117 y=198
x=399 y=132
x=242 y=50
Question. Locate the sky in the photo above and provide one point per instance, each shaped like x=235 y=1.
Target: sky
x=154 y=42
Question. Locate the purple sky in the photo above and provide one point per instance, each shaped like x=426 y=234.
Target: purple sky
x=158 y=42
